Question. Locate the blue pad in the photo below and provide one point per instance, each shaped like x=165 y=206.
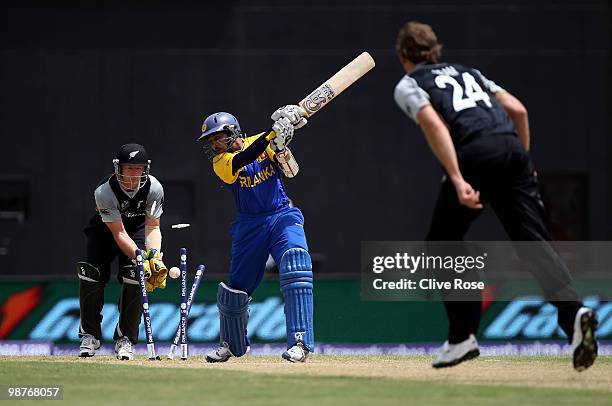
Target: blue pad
x=233 y=316
x=295 y=270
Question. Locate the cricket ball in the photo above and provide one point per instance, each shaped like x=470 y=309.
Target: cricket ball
x=174 y=272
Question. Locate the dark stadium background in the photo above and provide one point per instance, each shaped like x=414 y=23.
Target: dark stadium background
x=77 y=81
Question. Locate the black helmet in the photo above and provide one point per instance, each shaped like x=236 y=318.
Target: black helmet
x=132 y=154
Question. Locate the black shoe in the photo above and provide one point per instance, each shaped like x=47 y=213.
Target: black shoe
x=583 y=340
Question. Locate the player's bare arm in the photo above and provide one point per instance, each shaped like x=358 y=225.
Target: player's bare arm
x=122 y=238
x=153 y=235
x=518 y=113
x=441 y=144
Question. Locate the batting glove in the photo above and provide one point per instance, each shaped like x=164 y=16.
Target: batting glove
x=284 y=133
x=294 y=113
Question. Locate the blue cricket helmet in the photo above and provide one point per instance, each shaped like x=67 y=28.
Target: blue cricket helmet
x=218 y=122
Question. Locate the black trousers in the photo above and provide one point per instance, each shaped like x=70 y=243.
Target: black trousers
x=500 y=168
x=102 y=250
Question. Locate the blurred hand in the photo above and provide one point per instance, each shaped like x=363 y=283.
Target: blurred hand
x=467 y=196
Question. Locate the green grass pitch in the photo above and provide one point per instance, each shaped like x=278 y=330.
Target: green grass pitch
x=324 y=380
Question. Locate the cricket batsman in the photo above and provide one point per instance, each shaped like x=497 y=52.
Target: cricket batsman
x=251 y=167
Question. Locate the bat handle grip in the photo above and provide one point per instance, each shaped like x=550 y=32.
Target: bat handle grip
x=270 y=134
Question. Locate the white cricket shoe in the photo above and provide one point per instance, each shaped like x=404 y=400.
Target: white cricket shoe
x=221 y=354
x=453 y=354
x=297 y=353
x=89 y=345
x=584 y=344
x=123 y=349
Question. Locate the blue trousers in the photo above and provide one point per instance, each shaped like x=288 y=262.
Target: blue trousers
x=255 y=237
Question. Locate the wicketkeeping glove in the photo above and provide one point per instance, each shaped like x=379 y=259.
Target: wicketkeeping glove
x=284 y=133
x=159 y=271
x=294 y=113
x=145 y=266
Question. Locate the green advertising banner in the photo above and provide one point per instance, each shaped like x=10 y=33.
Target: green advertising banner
x=50 y=312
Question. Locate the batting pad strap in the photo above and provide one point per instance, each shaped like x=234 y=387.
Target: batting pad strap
x=233 y=307
x=87 y=272
x=295 y=269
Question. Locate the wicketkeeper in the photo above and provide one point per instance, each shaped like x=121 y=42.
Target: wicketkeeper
x=128 y=210
x=251 y=168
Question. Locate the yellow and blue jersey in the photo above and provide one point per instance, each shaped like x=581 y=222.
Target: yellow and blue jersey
x=257 y=187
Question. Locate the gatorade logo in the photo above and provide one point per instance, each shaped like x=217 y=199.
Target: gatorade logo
x=61 y=322
x=533 y=318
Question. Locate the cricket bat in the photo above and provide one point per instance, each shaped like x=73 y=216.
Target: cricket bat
x=332 y=87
